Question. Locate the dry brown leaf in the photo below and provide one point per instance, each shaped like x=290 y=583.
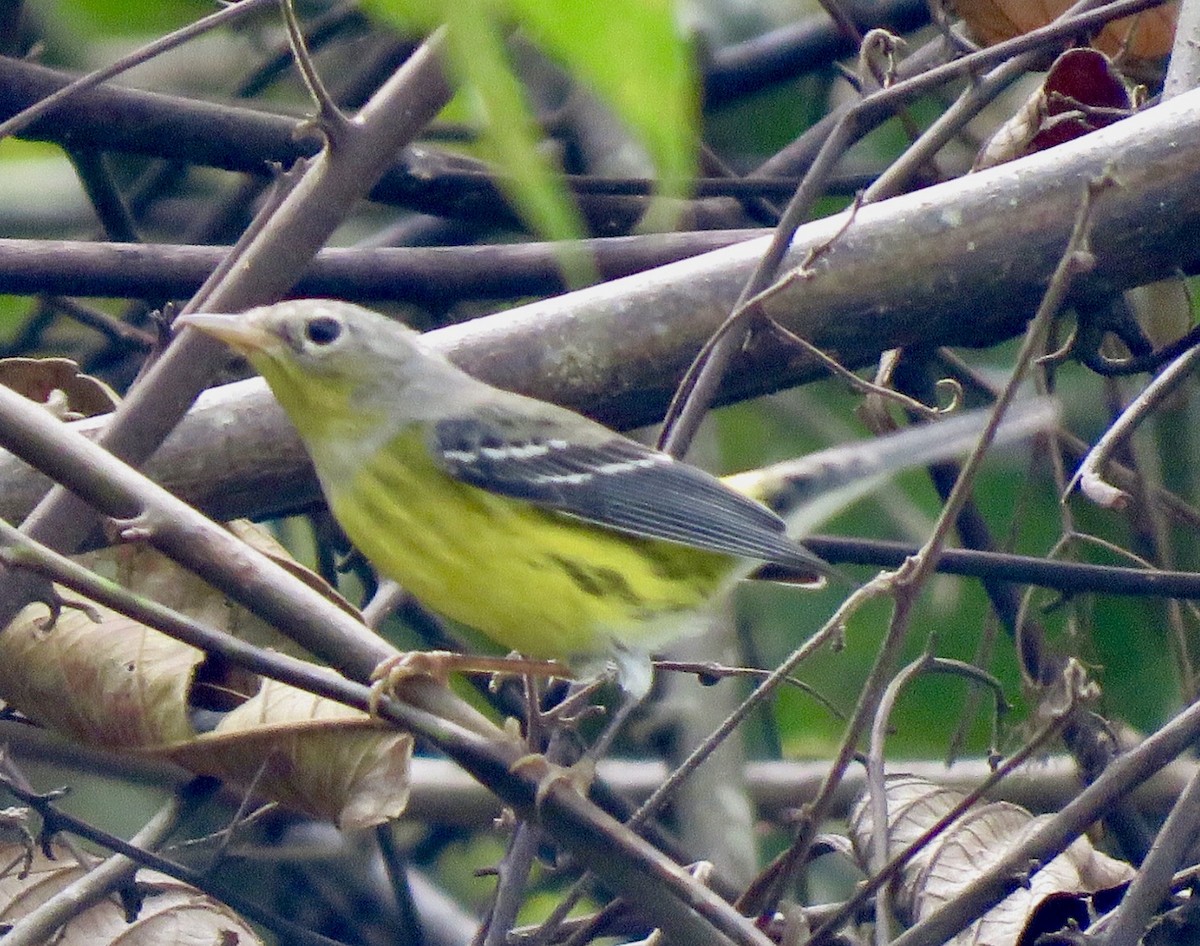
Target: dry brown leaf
x=968 y=848
x=1082 y=92
x=172 y=914
x=113 y=683
x=1164 y=311
x=60 y=385
x=308 y=753
x=1149 y=35
x=120 y=685
x=149 y=573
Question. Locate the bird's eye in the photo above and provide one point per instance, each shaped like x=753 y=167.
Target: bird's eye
x=322 y=330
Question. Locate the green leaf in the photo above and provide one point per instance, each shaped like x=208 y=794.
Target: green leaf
x=636 y=59
x=510 y=140
x=116 y=18
x=479 y=66
x=409 y=14
x=628 y=51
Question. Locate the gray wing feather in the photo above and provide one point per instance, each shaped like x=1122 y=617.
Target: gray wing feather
x=613 y=482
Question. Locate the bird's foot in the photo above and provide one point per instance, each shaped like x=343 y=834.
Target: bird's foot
x=392 y=671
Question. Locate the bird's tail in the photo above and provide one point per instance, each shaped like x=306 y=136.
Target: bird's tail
x=806 y=492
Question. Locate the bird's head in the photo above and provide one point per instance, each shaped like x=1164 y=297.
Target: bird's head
x=327 y=362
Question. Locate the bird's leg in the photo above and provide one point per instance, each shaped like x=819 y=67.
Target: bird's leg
x=515 y=666
x=390 y=672
x=576 y=706
x=634 y=673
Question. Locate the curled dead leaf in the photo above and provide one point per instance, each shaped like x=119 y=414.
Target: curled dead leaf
x=1146 y=35
x=307 y=753
x=1082 y=91
x=171 y=911
x=111 y=682
x=259 y=538
x=145 y=571
x=984 y=835
x=60 y=385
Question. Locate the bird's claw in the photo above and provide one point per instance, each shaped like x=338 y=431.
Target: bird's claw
x=392 y=671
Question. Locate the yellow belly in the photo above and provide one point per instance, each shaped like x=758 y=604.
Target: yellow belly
x=533 y=580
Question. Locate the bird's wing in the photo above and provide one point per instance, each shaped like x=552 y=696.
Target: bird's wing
x=612 y=481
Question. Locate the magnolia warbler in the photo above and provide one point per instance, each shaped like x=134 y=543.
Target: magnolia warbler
x=544 y=530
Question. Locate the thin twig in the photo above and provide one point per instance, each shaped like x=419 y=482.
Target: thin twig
x=330 y=116
x=876 y=776
x=662 y=793
x=911 y=579
x=489 y=760
x=269 y=264
x=708 y=672
x=512 y=876
x=113 y=329
x=39 y=925
x=59 y=820
x=1153 y=880
x=698 y=389
x=1053 y=836
x=1179 y=511
x=1075 y=258
x=860 y=385
x=1121 y=552
x=229 y=14
x=831 y=629
x=978 y=94
x=879 y=878
x=1088 y=477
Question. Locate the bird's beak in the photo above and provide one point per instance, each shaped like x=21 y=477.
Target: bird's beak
x=243 y=335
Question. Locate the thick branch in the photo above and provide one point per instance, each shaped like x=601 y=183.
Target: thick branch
x=112 y=117
x=410 y=274
x=641 y=873
x=239 y=138
x=963 y=262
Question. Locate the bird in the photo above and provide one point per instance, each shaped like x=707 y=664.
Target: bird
x=544 y=530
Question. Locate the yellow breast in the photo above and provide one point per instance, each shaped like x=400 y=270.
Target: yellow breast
x=533 y=580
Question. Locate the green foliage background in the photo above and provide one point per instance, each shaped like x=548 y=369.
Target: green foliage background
x=634 y=55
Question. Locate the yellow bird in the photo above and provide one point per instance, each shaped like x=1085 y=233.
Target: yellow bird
x=546 y=531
